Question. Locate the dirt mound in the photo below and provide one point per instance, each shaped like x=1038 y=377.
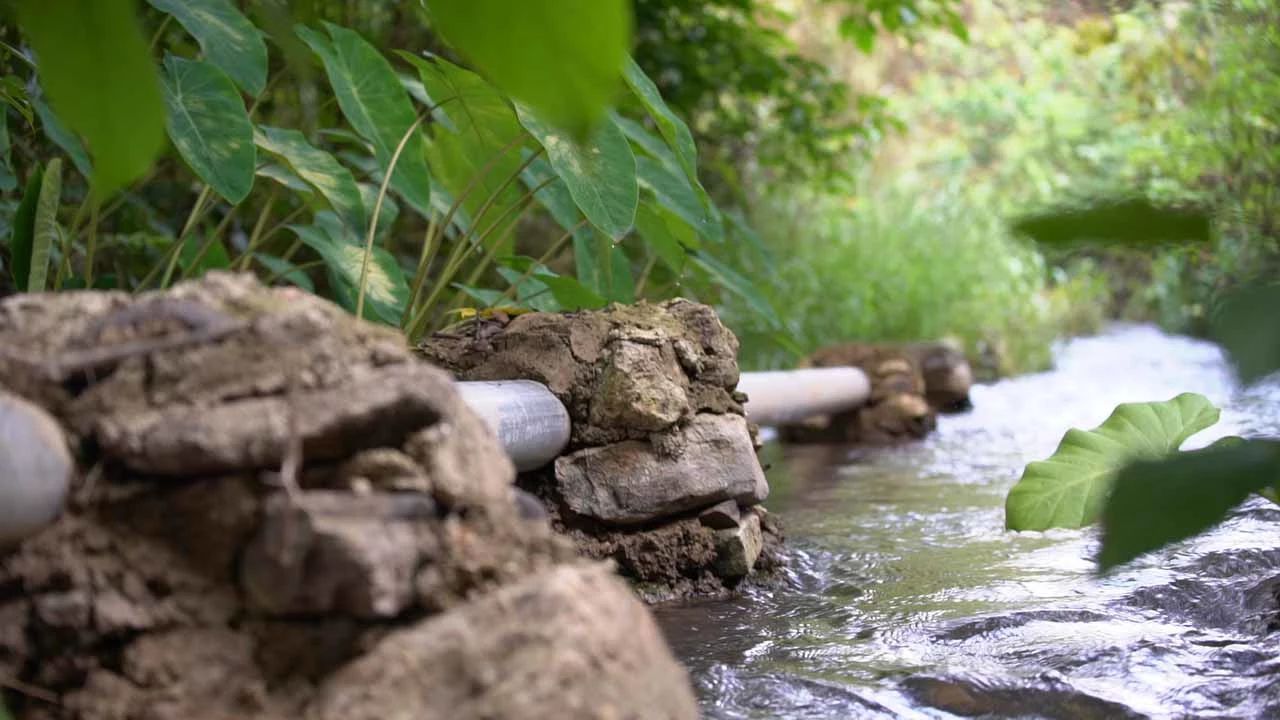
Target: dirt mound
x=281 y=513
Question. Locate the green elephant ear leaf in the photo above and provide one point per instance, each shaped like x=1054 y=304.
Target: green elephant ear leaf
x=209 y=125
x=386 y=291
x=670 y=126
x=600 y=174
x=227 y=38
x=101 y=80
x=1069 y=489
x=1155 y=503
x=562 y=60
x=378 y=107
x=45 y=230
x=320 y=170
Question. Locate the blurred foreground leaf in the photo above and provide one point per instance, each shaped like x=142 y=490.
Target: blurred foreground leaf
x=1070 y=488
x=1247 y=325
x=1131 y=221
x=563 y=58
x=94 y=64
x=1155 y=503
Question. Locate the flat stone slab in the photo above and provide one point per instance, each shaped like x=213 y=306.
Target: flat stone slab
x=709 y=460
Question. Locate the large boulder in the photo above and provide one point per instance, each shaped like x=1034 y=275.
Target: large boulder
x=269 y=498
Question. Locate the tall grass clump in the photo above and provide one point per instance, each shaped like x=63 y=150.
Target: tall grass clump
x=899 y=266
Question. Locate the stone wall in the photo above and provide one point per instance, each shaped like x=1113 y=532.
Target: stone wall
x=661 y=474
x=279 y=512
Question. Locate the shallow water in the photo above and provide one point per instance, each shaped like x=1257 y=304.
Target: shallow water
x=904 y=596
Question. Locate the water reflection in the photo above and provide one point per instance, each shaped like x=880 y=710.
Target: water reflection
x=905 y=598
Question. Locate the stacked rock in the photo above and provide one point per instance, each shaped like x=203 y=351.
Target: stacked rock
x=661 y=473
x=278 y=512
x=910 y=384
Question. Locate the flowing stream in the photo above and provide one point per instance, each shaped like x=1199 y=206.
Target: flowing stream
x=905 y=597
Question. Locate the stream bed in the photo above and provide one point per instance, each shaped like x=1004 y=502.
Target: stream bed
x=904 y=596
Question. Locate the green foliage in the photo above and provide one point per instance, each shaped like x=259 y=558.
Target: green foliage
x=600 y=173
x=1070 y=488
x=1247 y=327
x=22 y=243
x=377 y=106
x=1158 y=502
x=569 y=57
x=227 y=38
x=93 y=63
x=44 y=229
x=319 y=170
x=208 y=124
x=385 y=286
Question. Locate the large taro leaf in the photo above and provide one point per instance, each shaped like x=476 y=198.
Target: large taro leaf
x=377 y=106
x=209 y=125
x=674 y=193
x=672 y=128
x=227 y=38
x=561 y=58
x=600 y=174
x=95 y=67
x=471 y=151
x=321 y=170
x=1158 y=502
x=343 y=255
x=1070 y=488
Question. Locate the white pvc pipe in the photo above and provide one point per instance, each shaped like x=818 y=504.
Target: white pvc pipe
x=784 y=397
x=530 y=422
x=35 y=469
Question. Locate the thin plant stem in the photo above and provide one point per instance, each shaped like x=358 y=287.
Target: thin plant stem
x=155 y=39
x=425 y=258
x=91 y=246
x=255 y=235
x=377 y=210
x=644 y=274
x=197 y=210
x=18 y=54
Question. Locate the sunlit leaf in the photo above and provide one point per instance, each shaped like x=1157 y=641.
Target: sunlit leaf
x=1248 y=327
x=388 y=214
x=59 y=135
x=377 y=106
x=1131 y=221
x=320 y=169
x=95 y=66
x=24 y=230
x=209 y=126
x=600 y=174
x=564 y=60
x=1158 y=502
x=285 y=177
x=45 y=229
x=343 y=255
x=227 y=38
x=1070 y=487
